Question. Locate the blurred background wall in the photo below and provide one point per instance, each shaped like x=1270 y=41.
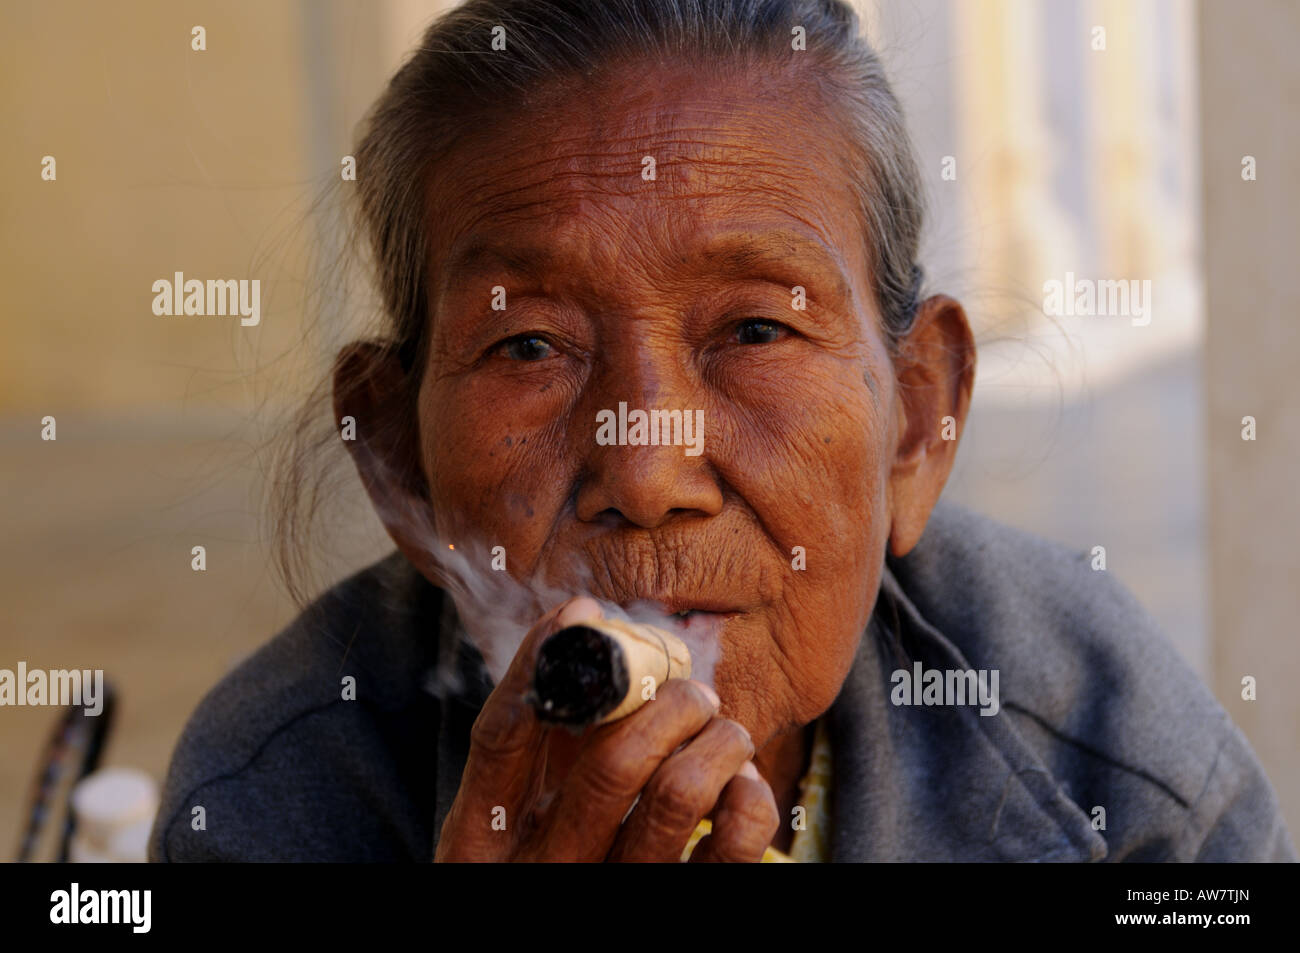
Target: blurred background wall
x=1044 y=150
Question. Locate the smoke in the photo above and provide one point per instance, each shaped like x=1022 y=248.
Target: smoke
x=497 y=610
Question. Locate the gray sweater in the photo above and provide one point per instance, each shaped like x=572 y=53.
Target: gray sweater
x=1097 y=710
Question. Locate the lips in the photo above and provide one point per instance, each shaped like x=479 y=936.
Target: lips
x=701 y=622
x=685 y=608
x=680 y=605
x=693 y=615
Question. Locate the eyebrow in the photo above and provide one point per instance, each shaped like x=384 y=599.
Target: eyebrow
x=478 y=254
x=782 y=256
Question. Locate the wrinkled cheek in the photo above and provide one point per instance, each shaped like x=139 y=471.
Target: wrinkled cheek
x=752 y=683
x=491 y=482
x=826 y=507
x=858 y=486
x=831 y=519
x=464 y=461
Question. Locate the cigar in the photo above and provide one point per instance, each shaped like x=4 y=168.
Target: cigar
x=594 y=673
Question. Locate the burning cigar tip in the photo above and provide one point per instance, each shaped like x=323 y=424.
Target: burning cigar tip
x=601 y=670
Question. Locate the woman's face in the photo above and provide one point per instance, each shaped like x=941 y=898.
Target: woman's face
x=651 y=234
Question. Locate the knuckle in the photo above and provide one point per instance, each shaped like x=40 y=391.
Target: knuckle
x=758 y=814
x=740 y=836
x=746 y=825
x=500 y=729
x=678 y=801
x=738 y=735
x=613 y=777
x=740 y=847
x=691 y=694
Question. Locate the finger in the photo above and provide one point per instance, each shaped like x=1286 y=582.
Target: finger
x=502 y=767
x=684 y=789
x=744 y=823
x=616 y=762
x=507 y=724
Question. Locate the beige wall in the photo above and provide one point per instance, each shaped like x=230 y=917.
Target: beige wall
x=1249 y=90
x=167 y=159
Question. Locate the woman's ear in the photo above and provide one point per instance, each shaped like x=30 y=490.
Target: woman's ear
x=382 y=436
x=935 y=370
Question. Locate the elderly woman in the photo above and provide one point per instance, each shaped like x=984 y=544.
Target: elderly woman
x=581 y=209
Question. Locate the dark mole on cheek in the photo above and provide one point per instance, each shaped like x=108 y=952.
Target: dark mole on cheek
x=509 y=442
x=826 y=439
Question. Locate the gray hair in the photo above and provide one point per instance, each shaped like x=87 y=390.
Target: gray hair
x=454 y=79
x=454 y=72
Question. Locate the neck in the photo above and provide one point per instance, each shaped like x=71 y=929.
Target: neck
x=783 y=763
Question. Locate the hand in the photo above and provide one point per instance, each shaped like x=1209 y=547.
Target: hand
x=631 y=790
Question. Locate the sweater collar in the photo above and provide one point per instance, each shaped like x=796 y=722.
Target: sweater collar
x=940 y=782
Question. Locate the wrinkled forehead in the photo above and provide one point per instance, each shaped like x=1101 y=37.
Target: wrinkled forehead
x=646 y=168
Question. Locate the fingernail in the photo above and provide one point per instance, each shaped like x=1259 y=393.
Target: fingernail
x=710 y=694
x=749 y=771
x=580 y=609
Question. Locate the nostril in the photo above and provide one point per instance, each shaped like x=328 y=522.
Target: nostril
x=610 y=517
x=615 y=518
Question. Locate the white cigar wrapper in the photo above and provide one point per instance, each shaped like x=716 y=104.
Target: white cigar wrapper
x=582 y=667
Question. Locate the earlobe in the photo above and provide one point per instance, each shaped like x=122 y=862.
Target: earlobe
x=371 y=388
x=936 y=375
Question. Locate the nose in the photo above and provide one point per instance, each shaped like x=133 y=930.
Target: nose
x=644 y=484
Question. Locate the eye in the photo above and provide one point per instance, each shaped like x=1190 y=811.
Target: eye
x=759 y=331
x=526 y=347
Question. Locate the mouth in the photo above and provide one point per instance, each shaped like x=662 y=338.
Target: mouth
x=685 y=614
x=695 y=618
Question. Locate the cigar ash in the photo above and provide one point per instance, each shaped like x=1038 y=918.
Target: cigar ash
x=581 y=676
